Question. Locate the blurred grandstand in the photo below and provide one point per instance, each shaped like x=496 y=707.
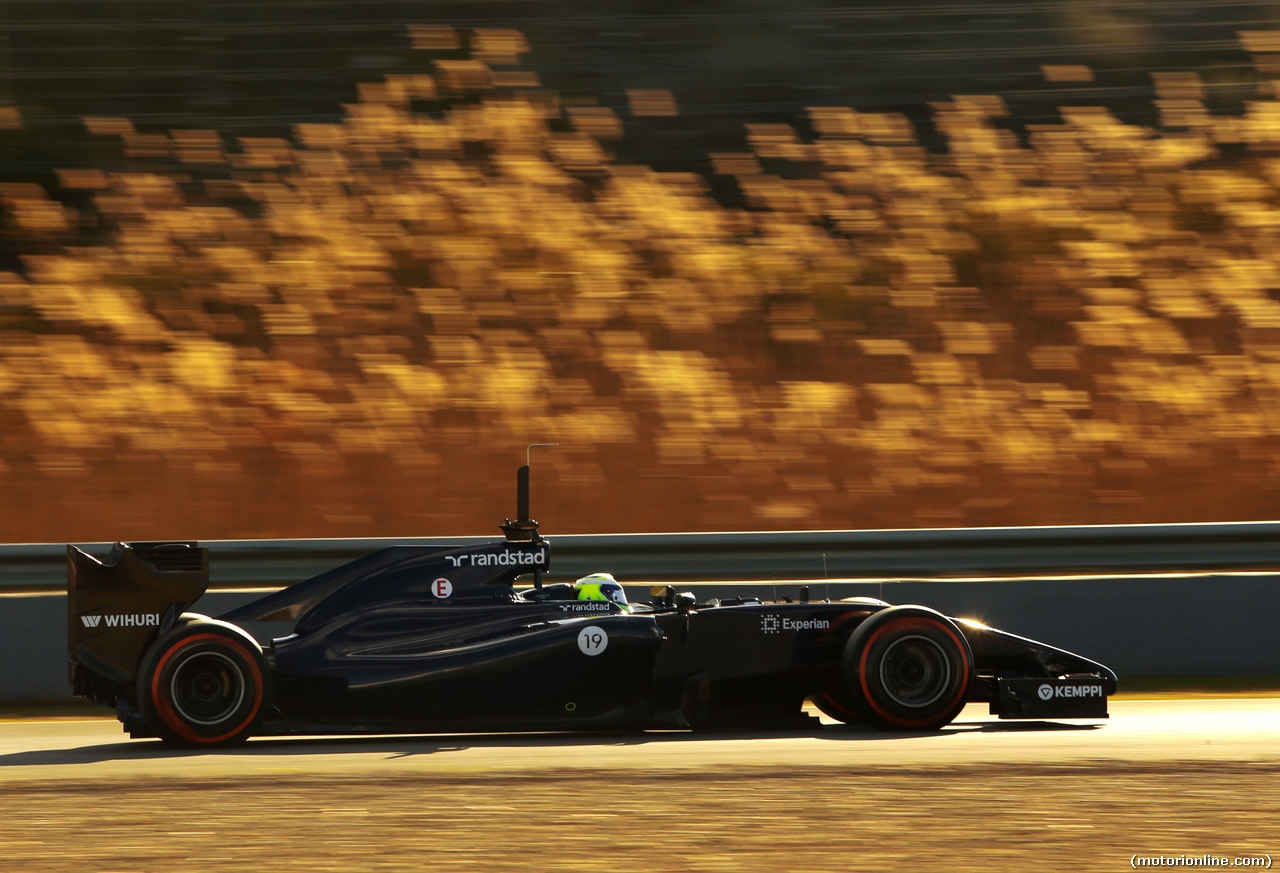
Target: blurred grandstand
x=356 y=329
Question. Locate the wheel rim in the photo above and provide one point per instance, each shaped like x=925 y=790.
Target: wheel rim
x=915 y=671
x=207 y=688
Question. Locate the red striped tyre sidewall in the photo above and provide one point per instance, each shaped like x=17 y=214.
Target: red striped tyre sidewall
x=243 y=669
x=877 y=638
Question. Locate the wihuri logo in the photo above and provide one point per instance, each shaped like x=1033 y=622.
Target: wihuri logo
x=137 y=620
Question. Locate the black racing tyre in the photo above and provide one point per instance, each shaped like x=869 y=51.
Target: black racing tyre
x=835 y=700
x=907 y=668
x=203 y=684
x=837 y=703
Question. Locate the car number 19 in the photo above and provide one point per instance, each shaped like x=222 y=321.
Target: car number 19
x=592 y=640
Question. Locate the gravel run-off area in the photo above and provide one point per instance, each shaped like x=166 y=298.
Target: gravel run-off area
x=1008 y=817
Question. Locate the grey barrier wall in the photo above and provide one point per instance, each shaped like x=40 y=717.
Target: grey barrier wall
x=33 y=642
x=1169 y=625
x=686 y=557
x=1141 y=626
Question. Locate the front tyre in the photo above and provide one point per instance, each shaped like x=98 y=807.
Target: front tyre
x=907 y=668
x=838 y=704
x=203 y=684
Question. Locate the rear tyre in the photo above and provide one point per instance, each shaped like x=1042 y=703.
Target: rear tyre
x=204 y=684
x=907 y=668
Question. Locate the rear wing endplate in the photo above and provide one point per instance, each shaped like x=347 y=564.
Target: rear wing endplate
x=118 y=605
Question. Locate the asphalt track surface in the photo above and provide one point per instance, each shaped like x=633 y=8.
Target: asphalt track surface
x=1139 y=731
x=1161 y=777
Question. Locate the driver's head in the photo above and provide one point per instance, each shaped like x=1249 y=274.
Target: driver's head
x=602 y=586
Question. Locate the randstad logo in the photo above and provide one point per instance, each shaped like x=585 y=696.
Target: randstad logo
x=137 y=620
x=501 y=559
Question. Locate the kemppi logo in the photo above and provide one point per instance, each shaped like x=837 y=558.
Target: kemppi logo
x=141 y=619
x=1048 y=692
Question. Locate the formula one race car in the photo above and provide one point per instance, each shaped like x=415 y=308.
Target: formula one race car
x=428 y=639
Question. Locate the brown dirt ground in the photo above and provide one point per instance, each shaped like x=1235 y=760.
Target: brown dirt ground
x=824 y=819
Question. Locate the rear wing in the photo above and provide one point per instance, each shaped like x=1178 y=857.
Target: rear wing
x=118 y=605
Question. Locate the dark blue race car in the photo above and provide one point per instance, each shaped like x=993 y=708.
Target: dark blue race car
x=427 y=639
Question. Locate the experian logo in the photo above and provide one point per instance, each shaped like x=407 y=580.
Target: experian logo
x=772 y=624
x=136 y=620
x=806 y=624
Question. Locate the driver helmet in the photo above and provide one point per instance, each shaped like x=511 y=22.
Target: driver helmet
x=602 y=586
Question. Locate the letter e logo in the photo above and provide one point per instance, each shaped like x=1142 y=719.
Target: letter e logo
x=442 y=588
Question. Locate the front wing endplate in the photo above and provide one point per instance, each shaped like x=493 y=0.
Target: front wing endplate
x=1060 y=697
